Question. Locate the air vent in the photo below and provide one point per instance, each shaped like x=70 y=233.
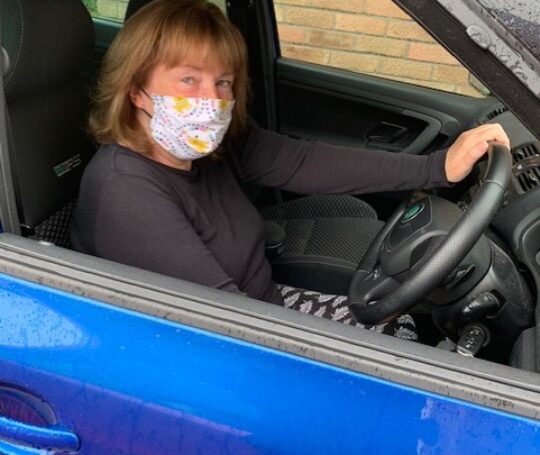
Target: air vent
x=524 y=152
x=494 y=113
x=527 y=166
x=491 y=115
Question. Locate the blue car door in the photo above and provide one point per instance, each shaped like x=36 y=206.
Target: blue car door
x=97 y=358
x=149 y=370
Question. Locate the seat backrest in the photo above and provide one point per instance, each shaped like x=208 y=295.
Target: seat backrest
x=48 y=44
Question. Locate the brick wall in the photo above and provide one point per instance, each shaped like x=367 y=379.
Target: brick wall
x=369 y=36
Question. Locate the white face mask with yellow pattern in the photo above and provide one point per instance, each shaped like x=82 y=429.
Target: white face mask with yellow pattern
x=189 y=128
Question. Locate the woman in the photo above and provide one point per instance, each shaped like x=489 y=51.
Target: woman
x=162 y=192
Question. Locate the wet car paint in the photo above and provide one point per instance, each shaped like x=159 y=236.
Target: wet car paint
x=124 y=382
x=520 y=17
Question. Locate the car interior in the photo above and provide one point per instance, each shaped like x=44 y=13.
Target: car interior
x=489 y=299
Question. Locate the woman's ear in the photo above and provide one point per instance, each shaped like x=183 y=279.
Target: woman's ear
x=137 y=97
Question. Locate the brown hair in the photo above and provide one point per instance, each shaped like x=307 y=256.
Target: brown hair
x=163 y=32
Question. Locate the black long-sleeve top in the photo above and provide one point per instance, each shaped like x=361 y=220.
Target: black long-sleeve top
x=199 y=225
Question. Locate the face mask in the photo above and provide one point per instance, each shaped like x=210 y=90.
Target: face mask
x=189 y=128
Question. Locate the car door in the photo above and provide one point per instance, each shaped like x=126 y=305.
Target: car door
x=99 y=358
x=495 y=39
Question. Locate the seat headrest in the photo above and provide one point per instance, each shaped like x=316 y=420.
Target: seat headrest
x=48 y=42
x=134 y=6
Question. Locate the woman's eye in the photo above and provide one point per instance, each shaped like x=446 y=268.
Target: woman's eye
x=225 y=83
x=188 y=80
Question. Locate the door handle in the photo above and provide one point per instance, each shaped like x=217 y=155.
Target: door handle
x=26 y=436
x=387 y=133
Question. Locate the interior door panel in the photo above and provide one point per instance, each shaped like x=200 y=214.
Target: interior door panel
x=342 y=107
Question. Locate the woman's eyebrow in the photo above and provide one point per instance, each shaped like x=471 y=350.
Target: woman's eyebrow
x=200 y=69
x=188 y=67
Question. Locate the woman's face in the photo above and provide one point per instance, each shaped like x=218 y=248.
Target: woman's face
x=189 y=79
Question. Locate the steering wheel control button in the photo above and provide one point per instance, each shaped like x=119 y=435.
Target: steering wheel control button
x=484 y=305
x=412 y=212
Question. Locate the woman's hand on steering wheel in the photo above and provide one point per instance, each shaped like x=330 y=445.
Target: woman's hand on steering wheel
x=469 y=147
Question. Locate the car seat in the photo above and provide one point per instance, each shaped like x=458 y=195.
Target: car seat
x=325 y=239
x=48 y=44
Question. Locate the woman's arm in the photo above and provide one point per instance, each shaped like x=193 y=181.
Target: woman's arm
x=310 y=167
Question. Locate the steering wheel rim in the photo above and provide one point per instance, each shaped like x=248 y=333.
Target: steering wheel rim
x=459 y=241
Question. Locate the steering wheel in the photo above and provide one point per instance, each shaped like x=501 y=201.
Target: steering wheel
x=415 y=253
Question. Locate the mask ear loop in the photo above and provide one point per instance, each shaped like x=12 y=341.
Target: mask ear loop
x=150 y=98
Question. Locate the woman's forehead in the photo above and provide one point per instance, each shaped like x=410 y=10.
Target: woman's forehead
x=202 y=55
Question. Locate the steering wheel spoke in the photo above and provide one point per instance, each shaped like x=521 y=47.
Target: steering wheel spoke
x=369 y=287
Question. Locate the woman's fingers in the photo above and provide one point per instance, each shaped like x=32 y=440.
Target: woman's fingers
x=469 y=147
